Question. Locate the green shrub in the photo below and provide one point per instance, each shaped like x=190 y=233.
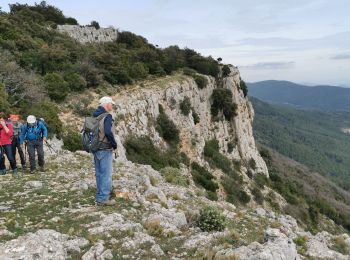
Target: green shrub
x=81 y=109
x=139 y=71
x=75 y=81
x=243 y=197
x=212 y=195
x=252 y=164
x=95 y=24
x=189 y=71
x=234 y=190
x=201 y=81
x=340 y=245
x=167 y=129
x=222 y=101
x=142 y=150
x=301 y=242
x=218 y=160
x=243 y=87
x=195 y=116
x=230 y=146
x=211 y=219
x=56 y=86
x=261 y=180
x=204 y=178
x=258 y=196
x=185 y=106
x=225 y=71
x=173 y=175
x=72 y=141
x=4 y=105
x=314 y=214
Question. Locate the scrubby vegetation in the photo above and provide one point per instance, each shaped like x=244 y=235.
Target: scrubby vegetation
x=243 y=87
x=185 y=106
x=174 y=176
x=232 y=182
x=167 y=128
x=72 y=141
x=201 y=81
x=211 y=219
x=225 y=70
x=204 y=178
x=222 y=101
x=142 y=150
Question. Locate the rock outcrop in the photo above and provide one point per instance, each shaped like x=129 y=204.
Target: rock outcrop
x=138 y=109
x=88 y=34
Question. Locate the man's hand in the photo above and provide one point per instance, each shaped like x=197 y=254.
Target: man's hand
x=44 y=139
x=115 y=151
x=2 y=122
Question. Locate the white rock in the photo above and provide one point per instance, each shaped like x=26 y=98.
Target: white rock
x=43 y=244
x=278 y=246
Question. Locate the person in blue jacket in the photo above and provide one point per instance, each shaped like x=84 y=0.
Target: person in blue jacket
x=34 y=133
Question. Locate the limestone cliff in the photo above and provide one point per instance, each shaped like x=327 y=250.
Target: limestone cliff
x=137 y=110
x=86 y=34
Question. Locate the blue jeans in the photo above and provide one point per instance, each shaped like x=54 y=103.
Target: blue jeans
x=7 y=149
x=103 y=172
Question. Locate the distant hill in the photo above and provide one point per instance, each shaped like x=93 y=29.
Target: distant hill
x=288 y=93
x=315 y=138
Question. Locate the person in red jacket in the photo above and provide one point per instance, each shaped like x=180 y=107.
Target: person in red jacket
x=6 y=133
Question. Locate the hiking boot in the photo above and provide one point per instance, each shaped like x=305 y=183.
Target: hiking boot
x=2 y=172
x=42 y=169
x=106 y=203
x=32 y=171
x=15 y=172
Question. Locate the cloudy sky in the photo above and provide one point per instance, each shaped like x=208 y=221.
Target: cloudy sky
x=305 y=41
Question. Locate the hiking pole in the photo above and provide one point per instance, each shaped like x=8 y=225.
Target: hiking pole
x=50 y=147
x=25 y=152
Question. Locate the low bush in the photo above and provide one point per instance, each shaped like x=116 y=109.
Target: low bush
x=185 y=106
x=211 y=219
x=225 y=71
x=196 y=118
x=72 y=141
x=243 y=87
x=201 y=81
x=204 y=178
x=142 y=150
x=234 y=191
x=218 y=160
x=167 y=129
x=222 y=101
x=258 y=196
x=173 y=175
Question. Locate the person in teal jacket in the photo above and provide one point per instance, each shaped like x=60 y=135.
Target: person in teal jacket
x=34 y=133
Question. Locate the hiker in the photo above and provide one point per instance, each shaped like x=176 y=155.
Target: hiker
x=6 y=132
x=17 y=128
x=34 y=133
x=103 y=157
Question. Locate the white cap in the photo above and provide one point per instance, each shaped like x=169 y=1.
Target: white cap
x=106 y=100
x=31 y=119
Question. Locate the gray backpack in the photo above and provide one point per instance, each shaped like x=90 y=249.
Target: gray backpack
x=90 y=133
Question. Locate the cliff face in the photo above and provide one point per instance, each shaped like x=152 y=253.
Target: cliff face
x=85 y=34
x=137 y=110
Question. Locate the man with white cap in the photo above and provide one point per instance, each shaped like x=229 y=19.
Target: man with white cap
x=103 y=158
x=34 y=132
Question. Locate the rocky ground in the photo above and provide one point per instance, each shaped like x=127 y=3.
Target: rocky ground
x=53 y=216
